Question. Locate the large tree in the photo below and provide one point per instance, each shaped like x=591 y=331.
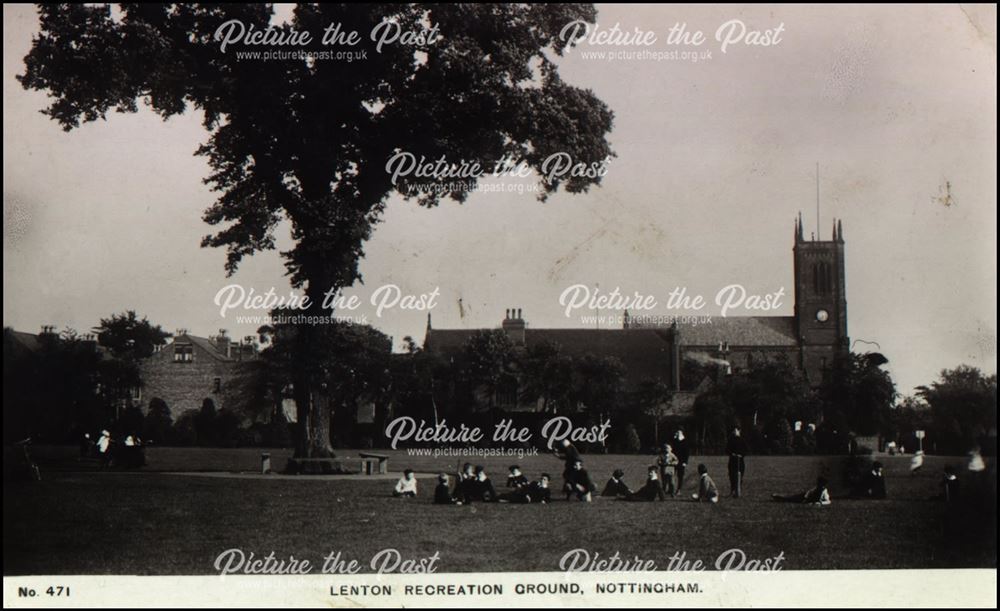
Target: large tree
x=489 y=364
x=53 y=386
x=129 y=340
x=129 y=337
x=308 y=139
x=546 y=377
x=859 y=393
x=963 y=406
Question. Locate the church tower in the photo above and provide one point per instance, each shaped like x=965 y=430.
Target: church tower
x=820 y=300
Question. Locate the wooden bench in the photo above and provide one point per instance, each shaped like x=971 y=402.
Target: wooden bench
x=373 y=464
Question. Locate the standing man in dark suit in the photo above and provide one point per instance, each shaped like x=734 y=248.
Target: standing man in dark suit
x=683 y=452
x=737 y=449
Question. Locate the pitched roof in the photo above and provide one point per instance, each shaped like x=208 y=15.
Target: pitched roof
x=27 y=340
x=759 y=331
x=205 y=344
x=448 y=340
x=33 y=343
x=645 y=353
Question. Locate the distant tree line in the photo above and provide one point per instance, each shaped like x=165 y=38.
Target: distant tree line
x=69 y=384
x=59 y=385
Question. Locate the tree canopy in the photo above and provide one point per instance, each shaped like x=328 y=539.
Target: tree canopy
x=307 y=139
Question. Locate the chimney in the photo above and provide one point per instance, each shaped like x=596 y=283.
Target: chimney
x=222 y=343
x=246 y=349
x=514 y=325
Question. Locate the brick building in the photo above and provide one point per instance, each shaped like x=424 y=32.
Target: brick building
x=191 y=369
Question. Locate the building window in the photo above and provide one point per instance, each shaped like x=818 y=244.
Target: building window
x=136 y=393
x=217 y=385
x=183 y=353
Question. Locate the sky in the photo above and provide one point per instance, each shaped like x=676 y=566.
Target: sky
x=715 y=158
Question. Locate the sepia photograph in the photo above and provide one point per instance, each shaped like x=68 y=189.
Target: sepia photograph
x=499 y=304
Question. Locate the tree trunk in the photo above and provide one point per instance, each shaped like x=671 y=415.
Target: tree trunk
x=313 y=432
x=328 y=254
x=312 y=408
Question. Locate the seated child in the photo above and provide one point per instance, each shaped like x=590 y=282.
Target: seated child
x=819 y=495
x=441 y=494
x=667 y=462
x=707 y=492
x=652 y=490
x=516 y=479
x=481 y=488
x=406 y=486
x=616 y=486
x=537 y=492
x=578 y=483
x=464 y=482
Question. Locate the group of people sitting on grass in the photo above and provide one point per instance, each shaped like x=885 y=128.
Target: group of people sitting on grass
x=658 y=487
x=663 y=479
x=473 y=485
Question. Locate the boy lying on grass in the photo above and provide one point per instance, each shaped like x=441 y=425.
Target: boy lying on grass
x=818 y=495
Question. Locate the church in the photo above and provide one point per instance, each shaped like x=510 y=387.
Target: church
x=811 y=338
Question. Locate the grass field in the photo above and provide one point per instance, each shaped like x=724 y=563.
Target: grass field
x=155 y=521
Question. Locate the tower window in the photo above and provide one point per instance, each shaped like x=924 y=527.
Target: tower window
x=822 y=279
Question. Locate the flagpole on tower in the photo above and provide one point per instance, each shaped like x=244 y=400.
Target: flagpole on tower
x=817 y=200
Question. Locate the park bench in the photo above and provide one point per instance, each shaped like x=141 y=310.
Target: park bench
x=373 y=464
